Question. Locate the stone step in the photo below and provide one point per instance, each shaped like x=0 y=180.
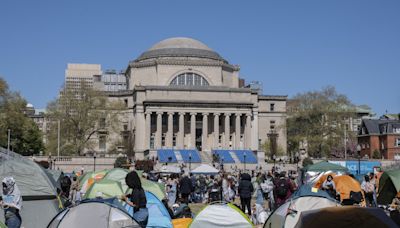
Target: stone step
x=178 y=156
x=235 y=158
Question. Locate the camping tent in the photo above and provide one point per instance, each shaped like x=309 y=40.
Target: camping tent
x=205 y=169
x=2 y=225
x=108 y=188
x=313 y=173
x=221 y=215
x=117 y=174
x=158 y=214
x=153 y=187
x=344 y=184
x=93 y=214
x=89 y=178
x=39 y=195
x=389 y=186
x=304 y=199
x=345 y=217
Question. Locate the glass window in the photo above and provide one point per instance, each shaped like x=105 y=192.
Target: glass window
x=272 y=107
x=397 y=143
x=189 y=79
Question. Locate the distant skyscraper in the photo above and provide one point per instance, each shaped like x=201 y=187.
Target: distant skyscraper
x=111 y=81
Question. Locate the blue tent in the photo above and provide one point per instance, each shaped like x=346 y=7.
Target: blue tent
x=158 y=214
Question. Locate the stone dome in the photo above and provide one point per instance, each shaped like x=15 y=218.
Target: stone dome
x=180 y=47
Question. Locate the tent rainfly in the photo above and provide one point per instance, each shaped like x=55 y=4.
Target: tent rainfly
x=389 y=186
x=325 y=166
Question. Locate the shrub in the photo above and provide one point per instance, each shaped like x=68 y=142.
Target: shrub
x=307 y=161
x=121 y=162
x=376 y=154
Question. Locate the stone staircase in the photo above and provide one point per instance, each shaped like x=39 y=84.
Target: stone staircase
x=178 y=156
x=206 y=157
x=235 y=158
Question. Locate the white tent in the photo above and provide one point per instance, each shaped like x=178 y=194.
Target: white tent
x=288 y=214
x=205 y=169
x=170 y=169
x=221 y=215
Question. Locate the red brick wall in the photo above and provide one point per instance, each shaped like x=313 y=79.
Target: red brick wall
x=391 y=148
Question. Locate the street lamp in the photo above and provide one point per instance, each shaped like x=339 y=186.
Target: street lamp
x=94 y=161
x=244 y=156
x=222 y=164
x=8 y=140
x=190 y=163
x=359 y=158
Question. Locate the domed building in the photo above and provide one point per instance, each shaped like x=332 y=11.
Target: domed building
x=189 y=104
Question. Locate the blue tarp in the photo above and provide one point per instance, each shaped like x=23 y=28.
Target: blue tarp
x=352 y=166
x=166 y=155
x=158 y=214
x=224 y=154
x=186 y=153
x=245 y=156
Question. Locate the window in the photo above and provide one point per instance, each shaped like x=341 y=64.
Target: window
x=396 y=130
x=272 y=124
x=397 y=142
x=102 y=142
x=126 y=102
x=272 y=107
x=189 y=79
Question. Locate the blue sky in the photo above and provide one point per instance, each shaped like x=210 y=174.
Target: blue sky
x=290 y=46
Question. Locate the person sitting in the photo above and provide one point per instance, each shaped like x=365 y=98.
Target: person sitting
x=11 y=203
x=329 y=186
x=137 y=199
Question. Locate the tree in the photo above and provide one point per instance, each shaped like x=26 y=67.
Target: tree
x=319 y=118
x=376 y=154
x=83 y=113
x=26 y=137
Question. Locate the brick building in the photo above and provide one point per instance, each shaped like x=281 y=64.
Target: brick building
x=382 y=135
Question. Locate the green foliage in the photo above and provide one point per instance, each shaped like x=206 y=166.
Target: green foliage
x=318 y=118
x=121 y=162
x=83 y=114
x=376 y=154
x=26 y=137
x=307 y=161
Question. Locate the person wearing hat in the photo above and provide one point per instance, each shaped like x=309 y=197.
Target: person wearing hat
x=11 y=203
x=137 y=199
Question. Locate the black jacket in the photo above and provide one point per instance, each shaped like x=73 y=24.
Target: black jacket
x=186 y=185
x=245 y=186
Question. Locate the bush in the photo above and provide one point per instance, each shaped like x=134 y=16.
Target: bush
x=376 y=154
x=121 y=162
x=307 y=161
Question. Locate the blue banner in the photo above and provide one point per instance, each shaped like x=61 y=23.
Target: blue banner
x=365 y=166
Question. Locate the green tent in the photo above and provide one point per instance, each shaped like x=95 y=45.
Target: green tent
x=154 y=187
x=325 y=166
x=108 y=188
x=89 y=175
x=2 y=225
x=389 y=186
x=117 y=174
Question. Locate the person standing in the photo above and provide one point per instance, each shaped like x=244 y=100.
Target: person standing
x=137 y=199
x=172 y=190
x=185 y=188
x=372 y=180
x=245 y=190
x=283 y=190
x=368 y=189
x=11 y=203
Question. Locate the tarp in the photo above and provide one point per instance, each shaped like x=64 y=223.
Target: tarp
x=345 y=217
x=93 y=214
x=389 y=186
x=205 y=169
x=39 y=195
x=221 y=215
x=353 y=166
x=170 y=169
x=158 y=214
x=2 y=225
x=288 y=213
x=153 y=187
x=108 y=188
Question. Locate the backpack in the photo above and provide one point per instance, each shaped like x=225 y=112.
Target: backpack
x=282 y=188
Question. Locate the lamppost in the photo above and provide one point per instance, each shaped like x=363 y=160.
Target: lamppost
x=190 y=163
x=297 y=159
x=222 y=164
x=359 y=158
x=50 y=162
x=94 y=161
x=8 y=140
x=244 y=156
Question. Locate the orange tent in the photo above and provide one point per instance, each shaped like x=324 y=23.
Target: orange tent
x=181 y=223
x=344 y=185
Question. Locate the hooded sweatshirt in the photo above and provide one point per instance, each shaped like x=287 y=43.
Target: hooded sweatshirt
x=10 y=194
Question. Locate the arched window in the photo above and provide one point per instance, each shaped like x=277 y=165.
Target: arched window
x=189 y=79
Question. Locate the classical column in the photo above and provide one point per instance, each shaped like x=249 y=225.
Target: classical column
x=204 y=138
x=170 y=130
x=192 y=130
x=237 y=131
x=158 y=138
x=181 y=133
x=227 y=130
x=148 y=130
x=216 y=130
x=254 y=130
x=247 y=132
x=139 y=132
